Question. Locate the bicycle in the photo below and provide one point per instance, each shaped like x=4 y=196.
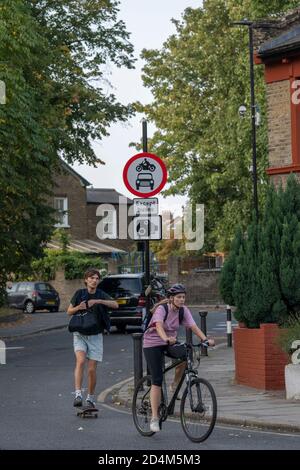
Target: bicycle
x=198 y=406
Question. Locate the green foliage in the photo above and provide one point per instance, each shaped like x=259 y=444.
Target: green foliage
x=53 y=57
x=290 y=333
x=262 y=281
x=199 y=79
x=63 y=237
x=74 y=264
x=229 y=270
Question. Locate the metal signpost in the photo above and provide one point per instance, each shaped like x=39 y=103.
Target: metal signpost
x=145 y=175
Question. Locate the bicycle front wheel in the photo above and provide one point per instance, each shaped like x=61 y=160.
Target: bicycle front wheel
x=198 y=410
x=141 y=406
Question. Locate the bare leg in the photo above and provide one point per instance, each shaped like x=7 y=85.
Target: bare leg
x=179 y=370
x=92 y=378
x=79 y=368
x=155 y=398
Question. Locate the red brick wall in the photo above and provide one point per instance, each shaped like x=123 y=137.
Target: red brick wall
x=259 y=362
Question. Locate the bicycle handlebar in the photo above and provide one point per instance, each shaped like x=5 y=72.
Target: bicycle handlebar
x=194 y=345
x=202 y=343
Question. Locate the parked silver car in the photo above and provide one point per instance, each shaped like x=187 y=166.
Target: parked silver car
x=31 y=296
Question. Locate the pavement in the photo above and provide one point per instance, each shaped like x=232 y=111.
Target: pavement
x=33 y=324
x=237 y=404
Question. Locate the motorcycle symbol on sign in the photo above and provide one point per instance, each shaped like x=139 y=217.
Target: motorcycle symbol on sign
x=145 y=166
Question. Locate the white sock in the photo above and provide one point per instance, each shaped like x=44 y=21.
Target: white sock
x=78 y=393
x=90 y=398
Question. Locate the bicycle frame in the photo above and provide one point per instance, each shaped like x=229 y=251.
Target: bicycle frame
x=198 y=405
x=188 y=374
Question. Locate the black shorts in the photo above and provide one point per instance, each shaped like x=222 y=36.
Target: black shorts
x=155 y=361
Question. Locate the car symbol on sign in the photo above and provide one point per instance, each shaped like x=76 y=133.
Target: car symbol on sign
x=144 y=179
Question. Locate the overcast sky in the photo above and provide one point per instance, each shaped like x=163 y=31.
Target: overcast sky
x=149 y=22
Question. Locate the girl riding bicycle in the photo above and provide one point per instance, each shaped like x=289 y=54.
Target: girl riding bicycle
x=162 y=331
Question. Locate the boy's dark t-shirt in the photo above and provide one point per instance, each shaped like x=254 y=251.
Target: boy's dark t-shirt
x=82 y=295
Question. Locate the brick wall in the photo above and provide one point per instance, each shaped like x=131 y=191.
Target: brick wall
x=259 y=362
x=66 y=288
x=202 y=287
x=68 y=185
x=279 y=124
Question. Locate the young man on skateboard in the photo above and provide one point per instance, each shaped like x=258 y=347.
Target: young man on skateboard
x=89 y=347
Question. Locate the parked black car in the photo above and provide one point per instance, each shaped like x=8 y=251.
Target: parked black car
x=129 y=291
x=31 y=296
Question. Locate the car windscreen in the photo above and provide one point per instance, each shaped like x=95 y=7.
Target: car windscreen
x=145 y=176
x=41 y=286
x=121 y=286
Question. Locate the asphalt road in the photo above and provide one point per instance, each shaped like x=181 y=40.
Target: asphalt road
x=36 y=409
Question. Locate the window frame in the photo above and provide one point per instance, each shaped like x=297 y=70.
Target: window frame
x=62 y=212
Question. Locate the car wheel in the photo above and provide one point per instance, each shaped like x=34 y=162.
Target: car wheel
x=29 y=307
x=121 y=328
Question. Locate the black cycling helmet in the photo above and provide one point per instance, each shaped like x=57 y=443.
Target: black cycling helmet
x=176 y=289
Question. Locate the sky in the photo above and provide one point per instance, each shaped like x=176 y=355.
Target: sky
x=149 y=22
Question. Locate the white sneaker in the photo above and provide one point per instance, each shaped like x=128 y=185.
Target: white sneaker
x=154 y=425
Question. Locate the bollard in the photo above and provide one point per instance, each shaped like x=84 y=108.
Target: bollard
x=137 y=357
x=229 y=327
x=203 y=315
x=189 y=337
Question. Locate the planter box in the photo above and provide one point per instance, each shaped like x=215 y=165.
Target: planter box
x=259 y=362
x=292 y=381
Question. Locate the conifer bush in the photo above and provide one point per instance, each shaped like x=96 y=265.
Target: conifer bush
x=261 y=276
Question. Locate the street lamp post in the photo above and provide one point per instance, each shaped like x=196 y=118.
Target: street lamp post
x=250 y=24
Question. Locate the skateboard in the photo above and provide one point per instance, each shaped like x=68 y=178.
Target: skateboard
x=87 y=412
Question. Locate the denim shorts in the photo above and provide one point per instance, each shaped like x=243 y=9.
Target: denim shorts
x=92 y=345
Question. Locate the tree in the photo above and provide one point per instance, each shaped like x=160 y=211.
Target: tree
x=264 y=275
x=84 y=38
x=198 y=80
x=51 y=54
x=230 y=268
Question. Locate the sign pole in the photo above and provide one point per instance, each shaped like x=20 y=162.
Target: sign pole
x=147 y=242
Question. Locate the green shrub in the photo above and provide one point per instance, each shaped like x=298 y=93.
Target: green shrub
x=261 y=275
x=290 y=333
x=74 y=264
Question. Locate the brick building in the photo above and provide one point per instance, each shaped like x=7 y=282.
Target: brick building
x=77 y=205
x=277 y=44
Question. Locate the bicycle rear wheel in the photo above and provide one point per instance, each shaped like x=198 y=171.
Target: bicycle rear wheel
x=141 y=406
x=198 y=410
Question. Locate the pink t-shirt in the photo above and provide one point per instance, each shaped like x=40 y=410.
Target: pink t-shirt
x=171 y=325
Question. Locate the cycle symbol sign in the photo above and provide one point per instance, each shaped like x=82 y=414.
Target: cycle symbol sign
x=145 y=174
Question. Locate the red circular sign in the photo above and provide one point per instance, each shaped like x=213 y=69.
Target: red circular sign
x=145 y=174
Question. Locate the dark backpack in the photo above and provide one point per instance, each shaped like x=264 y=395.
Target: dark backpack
x=148 y=319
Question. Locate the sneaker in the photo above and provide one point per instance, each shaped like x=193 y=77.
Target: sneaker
x=90 y=404
x=78 y=401
x=172 y=389
x=154 y=425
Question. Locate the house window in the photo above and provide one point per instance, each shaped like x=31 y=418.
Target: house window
x=61 y=207
x=110 y=224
